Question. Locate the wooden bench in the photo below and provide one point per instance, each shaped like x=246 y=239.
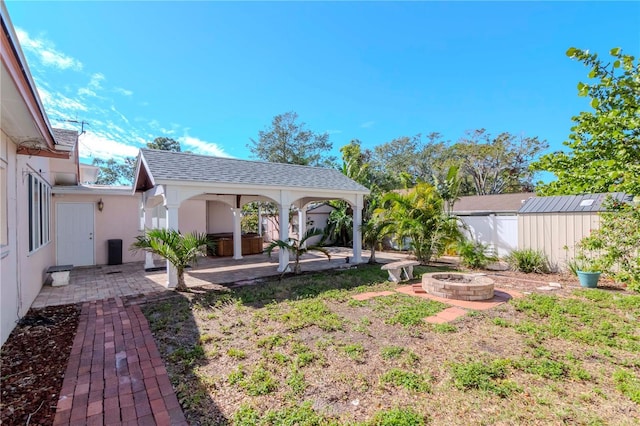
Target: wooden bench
x=59 y=274
x=396 y=269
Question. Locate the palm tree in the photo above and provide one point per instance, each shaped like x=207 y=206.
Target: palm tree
x=298 y=246
x=340 y=223
x=419 y=216
x=179 y=249
x=372 y=232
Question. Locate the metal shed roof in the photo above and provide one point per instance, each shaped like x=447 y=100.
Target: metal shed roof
x=570 y=203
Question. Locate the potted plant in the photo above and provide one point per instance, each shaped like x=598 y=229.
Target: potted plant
x=587 y=268
x=588 y=273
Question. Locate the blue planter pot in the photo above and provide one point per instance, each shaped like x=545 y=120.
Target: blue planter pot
x=588 y=279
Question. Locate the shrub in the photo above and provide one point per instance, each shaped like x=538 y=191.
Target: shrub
x=528 y=261
x=614 y=246
x=475 y=255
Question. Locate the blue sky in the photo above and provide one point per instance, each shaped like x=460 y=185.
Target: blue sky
x=212 y=74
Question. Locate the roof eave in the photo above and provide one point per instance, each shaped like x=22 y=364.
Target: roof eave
x=190 y=183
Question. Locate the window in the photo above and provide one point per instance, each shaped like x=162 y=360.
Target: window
x=39 y=212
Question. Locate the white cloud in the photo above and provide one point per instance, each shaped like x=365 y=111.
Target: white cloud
x=367 y=124
x=96 y=80
x=334 y=132
x=94 y=85
x=93 y=145
x=189 y=143
x=113 y=108
x=122 y=91
x=46 y=52
x=83 y=91
x=58 y=101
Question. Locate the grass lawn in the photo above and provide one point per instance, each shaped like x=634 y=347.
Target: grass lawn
x=302 y=351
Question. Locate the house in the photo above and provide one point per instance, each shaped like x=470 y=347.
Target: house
x=33 y=156
x=492 y=219
x=52 y=213
x=554 y=225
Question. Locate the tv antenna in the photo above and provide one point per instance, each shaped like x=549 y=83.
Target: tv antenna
x=82 y=123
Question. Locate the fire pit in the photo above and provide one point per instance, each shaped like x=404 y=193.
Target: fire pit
x=458 y=286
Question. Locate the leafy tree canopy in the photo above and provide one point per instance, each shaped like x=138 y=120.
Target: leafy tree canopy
x=113 y=173
x=288 y=141
x=165 y=144
x=405 y=161
x=497 y=165
x=604 y=143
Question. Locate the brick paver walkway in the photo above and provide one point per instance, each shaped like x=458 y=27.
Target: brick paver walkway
x=115 y=373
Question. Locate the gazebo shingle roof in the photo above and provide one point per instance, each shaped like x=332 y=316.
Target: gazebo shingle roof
x=180 y=166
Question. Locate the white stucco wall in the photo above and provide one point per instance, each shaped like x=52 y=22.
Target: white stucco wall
x=192 y=216
x=21 y=272
x=219 y=217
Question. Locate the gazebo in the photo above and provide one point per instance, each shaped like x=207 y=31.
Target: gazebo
x=169 y=178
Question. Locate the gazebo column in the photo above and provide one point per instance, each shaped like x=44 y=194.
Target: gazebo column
x=237 y=233
x=283 y=211
x=357 y=229
x=172 y=223
x=302 y=224
x=148 y=224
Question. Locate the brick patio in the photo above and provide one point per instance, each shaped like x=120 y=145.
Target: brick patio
x=115 y=374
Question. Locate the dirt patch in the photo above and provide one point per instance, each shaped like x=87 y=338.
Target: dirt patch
x=34 y=359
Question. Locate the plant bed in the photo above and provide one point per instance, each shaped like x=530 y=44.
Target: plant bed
x=34 y=359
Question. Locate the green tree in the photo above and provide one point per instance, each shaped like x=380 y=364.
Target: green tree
x=604 y=142
x=373 y=231
x=113 y=173
x=299 y=248
x=340 y=223
x=406 y=160
x=497 y=165
x=179 y=249
x=288 y=141
x=418 y=215
x=449 y=188
x=615 y=246
x=165 y=144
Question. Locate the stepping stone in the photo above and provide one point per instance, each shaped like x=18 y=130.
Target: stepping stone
x=556 y=285
x=417 y=288
x=546 y=288
x=447 y=315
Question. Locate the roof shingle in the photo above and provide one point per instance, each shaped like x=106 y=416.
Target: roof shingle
x=180 y=166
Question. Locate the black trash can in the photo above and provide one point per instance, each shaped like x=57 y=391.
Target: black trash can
x=114 y=252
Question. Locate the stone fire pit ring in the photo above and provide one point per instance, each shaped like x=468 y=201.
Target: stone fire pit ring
x=459 y=286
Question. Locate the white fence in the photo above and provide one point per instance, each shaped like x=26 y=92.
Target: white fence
x=499 y=232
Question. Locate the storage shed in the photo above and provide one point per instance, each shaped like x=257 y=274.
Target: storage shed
x=554 y=225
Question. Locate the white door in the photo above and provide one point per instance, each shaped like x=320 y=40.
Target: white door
x=74 y=234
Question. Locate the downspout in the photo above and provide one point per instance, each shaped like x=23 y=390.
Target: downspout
x=18 y=253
